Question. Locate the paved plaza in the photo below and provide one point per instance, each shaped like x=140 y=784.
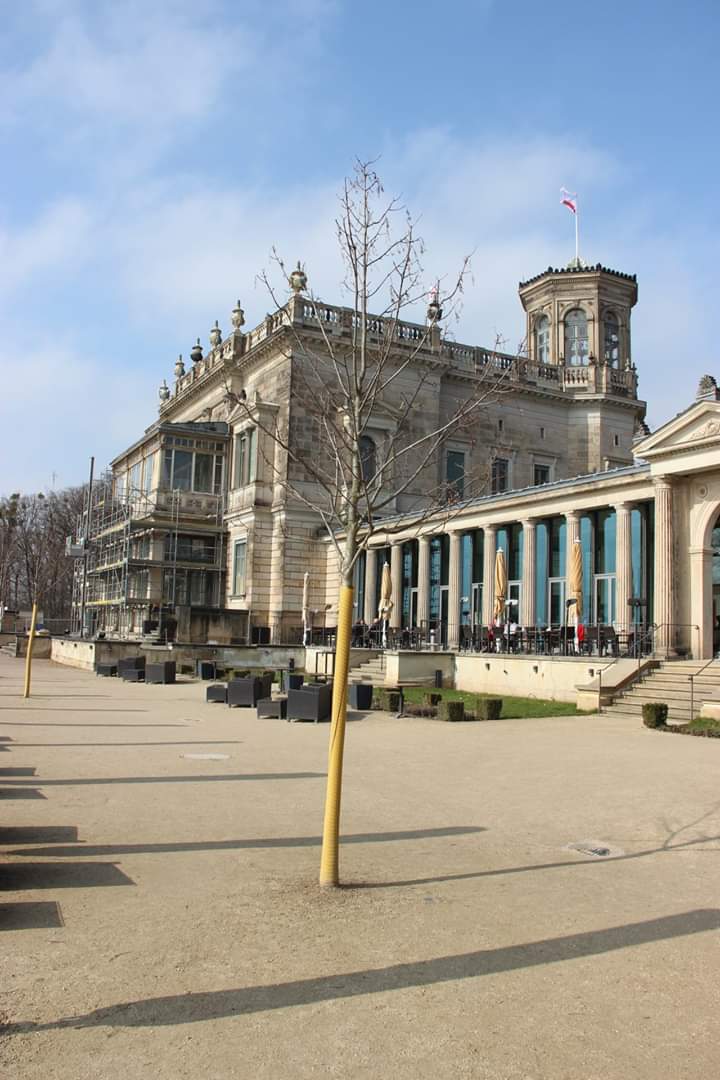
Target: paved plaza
x=160 y=915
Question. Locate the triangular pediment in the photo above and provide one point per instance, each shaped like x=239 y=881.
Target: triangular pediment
x=696 y=428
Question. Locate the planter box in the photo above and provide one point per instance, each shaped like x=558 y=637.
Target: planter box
x=360 y=696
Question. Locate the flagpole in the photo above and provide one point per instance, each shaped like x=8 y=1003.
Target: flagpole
x=577 y=242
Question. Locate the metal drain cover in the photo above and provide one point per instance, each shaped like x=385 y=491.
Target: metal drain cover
x=594 y=848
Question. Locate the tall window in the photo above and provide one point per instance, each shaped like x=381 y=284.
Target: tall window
x=542 y=340
x=541 y=474
x=245 y=458
x=576 y=337
x=500 y=476
x=455 y=475
x=368 y=458
x=149 y=474
x=612 y=339
x=239 y=567
x=135 y=477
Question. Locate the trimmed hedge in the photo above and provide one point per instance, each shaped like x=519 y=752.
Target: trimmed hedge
x=654 y=714
x=451 y=710
x=431 y=697
x=488 y=708
x=387 y=700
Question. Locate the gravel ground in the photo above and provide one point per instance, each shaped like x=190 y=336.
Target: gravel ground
x=160 y=916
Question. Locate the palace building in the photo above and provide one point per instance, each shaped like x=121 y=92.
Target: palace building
x=195 y=534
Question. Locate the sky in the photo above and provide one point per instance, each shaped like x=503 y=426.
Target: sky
x=154 y=153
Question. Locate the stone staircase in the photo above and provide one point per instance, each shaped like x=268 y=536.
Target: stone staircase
x=371 y=671
x=669 y=683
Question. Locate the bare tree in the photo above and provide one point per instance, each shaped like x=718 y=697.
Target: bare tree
x=376 y=365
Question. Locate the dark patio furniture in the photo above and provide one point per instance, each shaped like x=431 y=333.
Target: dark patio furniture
x=162 y=672
x=133 y=675
x=106 y=670
x=216 y=692
x=206 y=669
x=312 y=701
x=247 y=692
x=360 y=695
x=130 y=663
x=272 y=708
x=291 y=681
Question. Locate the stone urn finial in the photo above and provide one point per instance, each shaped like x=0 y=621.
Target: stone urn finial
x=298 y=279
x=215 y=335
x=179 y=367
x=164 y=392
x=434 y=311
x=707 y=387
x=237 y=318
x=196 y=353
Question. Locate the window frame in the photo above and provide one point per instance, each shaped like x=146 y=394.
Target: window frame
x=237 y=544
x=495 y=486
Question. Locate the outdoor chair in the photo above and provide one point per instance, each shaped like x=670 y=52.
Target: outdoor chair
x=291 y=681
x=311 y=702
x=247 y=692
x=206 y=669
x=130 y=663
x=133 y=675
x=106 y=670
x=163 y=672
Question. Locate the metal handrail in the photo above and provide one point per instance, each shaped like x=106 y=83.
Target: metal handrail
x=691 y=679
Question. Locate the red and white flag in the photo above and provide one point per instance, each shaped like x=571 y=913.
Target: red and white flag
x=569 y=199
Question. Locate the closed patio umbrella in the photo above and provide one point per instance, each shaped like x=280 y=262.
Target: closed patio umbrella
x=386 y=604
x=575 y=588
x=501 y=581
x=306 y=608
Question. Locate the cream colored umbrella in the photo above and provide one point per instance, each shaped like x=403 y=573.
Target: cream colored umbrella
x=386 y=603
x=575 y=588
x=306 y=608
x=501 y=581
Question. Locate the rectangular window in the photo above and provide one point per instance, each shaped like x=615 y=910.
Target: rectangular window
x=245 y=458
x=455 y=475
x=203 y=478
x=135 y=477
x=167 y=470
x=499 y=480
x=541 y=474
x=239 y=566
x=148 y=476
x=182 y=470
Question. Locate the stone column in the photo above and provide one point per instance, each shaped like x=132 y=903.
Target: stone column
x=369 y=612
x=663 y=606
x=423 y=585
x=529 y=574
x=623 y=563
x=396 y=561
x=454 y=589
x=489 y=546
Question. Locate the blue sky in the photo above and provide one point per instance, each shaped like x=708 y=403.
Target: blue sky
x=153 y=153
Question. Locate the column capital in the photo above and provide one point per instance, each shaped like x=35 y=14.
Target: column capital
x=489 y=528
x=572 y=515
x=530 y=522
x=663 y=482
x=620 y=507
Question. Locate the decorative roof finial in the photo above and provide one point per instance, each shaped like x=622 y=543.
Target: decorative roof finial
x=298 y=279
x=434 y=311
x=179 y=367
x=164 y=392
x=707 y=388
x=215 y=335
x=196 y=353
x=237 y=318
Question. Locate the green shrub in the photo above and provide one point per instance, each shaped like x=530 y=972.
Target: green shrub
x=431 y=697
x=387 y=700
x=654 y=714
x=488 y=708
x=452 y=710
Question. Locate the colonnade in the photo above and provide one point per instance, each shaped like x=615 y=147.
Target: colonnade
x=663 y=562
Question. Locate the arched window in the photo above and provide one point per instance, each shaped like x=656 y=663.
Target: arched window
x=368 y=462
x=576 y=337
x=612 y=339
x=542 y=340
